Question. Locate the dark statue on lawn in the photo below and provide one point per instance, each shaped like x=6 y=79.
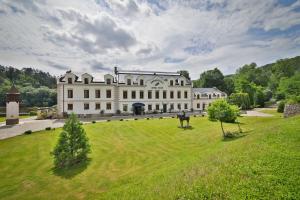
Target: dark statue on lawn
x=183 y=117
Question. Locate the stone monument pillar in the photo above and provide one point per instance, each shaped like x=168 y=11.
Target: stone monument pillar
x=12 y=106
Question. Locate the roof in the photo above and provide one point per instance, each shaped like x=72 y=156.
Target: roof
x=206 y=90
x=13 y=90
x=148 y=73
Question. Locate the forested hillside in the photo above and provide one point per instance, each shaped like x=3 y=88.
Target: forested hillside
x=253 y=86
x=37 y=88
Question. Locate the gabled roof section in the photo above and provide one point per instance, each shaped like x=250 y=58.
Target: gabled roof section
x=206 y=90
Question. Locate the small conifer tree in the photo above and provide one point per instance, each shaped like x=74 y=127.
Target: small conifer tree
x=72 y=146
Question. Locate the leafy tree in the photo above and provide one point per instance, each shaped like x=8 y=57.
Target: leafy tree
x=240 y=99
x=222 y=111
x=280 y=107
x=289 y=86
x=185 y=73
x=229 y=85
x=211 y=78
x=72 y=146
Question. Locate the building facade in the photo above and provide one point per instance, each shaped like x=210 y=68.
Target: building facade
x=130 y=92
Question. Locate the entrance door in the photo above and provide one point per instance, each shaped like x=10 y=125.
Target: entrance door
x=164 y=108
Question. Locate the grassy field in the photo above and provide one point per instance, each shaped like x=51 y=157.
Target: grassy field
x=154 y=159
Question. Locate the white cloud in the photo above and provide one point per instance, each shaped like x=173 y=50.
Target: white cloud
x=155 y=35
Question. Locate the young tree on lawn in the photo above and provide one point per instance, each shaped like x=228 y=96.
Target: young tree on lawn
x=72 y=146
x=222 y=111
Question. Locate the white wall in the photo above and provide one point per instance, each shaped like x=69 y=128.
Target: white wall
x=12 y=110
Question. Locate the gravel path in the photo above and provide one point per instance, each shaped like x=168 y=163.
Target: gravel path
x=256 y=113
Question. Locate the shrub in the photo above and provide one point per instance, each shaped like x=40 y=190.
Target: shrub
x=280 y=107
x=48 y=128
x=148 y=118
x=135 y=118
x=108 y=120
x=32 y=113
x=93 y=122
x=28 y=132
x=121 y=119
x=67 y=152
x=161 y=118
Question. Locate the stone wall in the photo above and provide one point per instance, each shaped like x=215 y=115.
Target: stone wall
x=291 y=110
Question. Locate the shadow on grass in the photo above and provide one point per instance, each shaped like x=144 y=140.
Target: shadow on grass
x=230 y=136
x=72 y=171
x=186 y=127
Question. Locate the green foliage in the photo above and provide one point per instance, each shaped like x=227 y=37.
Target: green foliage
x=185 y=73
x=241 y=100
x=222 y=111
x=72 y=146
x=289 y=86
x=37 y=88
x=32 y=113
x=280 y=107
x=211 y=78
x=48 y=128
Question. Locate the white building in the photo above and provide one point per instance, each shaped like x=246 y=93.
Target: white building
x=131 y=92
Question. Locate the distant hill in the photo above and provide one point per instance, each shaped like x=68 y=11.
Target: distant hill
x=37 y=88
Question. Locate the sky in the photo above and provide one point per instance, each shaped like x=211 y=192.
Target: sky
x=93 y=36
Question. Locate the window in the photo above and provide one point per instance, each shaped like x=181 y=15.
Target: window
x=149 y=107
x=171 y=82
x=157 y=107
x=172 y=106
x=125 y=94
x=97 y=94
x=108 y=93
x=125 y=107
x=69 y=80
x=182 y=83
x=86 y=81
x=203 y=106
x=141 y=82
x=185 y=106
x=86 y=106
x=185 y=94
x=178 y=94
x=179 y=106
x=157 y=94
x=86 y=94
x=176 y=82
x=149 y=94
x=70 y=106
x=209 y=96
x=108 y=106
x=70 y=93
x=164 y=94
x=198 y=96
x=171 y=94
x=198 y=105
x=128 y=81
x=97 y=106
x=108 y=81
x=133 y=94
x=141 y=94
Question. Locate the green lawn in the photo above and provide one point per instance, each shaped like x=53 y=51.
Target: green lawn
x=153 y=159
x=2 y=119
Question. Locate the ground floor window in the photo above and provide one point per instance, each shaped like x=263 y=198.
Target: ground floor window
x=125 y=107
x=97 y=106
x=149 y=107
x=172 y=106
x=108 y=106
x=198 y=105
x=179 y=106
x=185 y=106
x=157 y=107
x=70 y=106
x=203 y=106
x=86 y=106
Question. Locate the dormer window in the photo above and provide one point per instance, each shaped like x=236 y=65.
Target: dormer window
x=176 y=82
x=171 y=82
x=182 y=83
x=128 y=81
x=108 y=81
x=86 y=81
x=70 y=80
x=141 y=82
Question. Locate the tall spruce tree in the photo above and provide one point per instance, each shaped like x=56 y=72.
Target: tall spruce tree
x=72 y=146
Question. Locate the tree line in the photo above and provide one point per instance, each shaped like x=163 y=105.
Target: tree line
x=37 y=88
x=253 y=86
